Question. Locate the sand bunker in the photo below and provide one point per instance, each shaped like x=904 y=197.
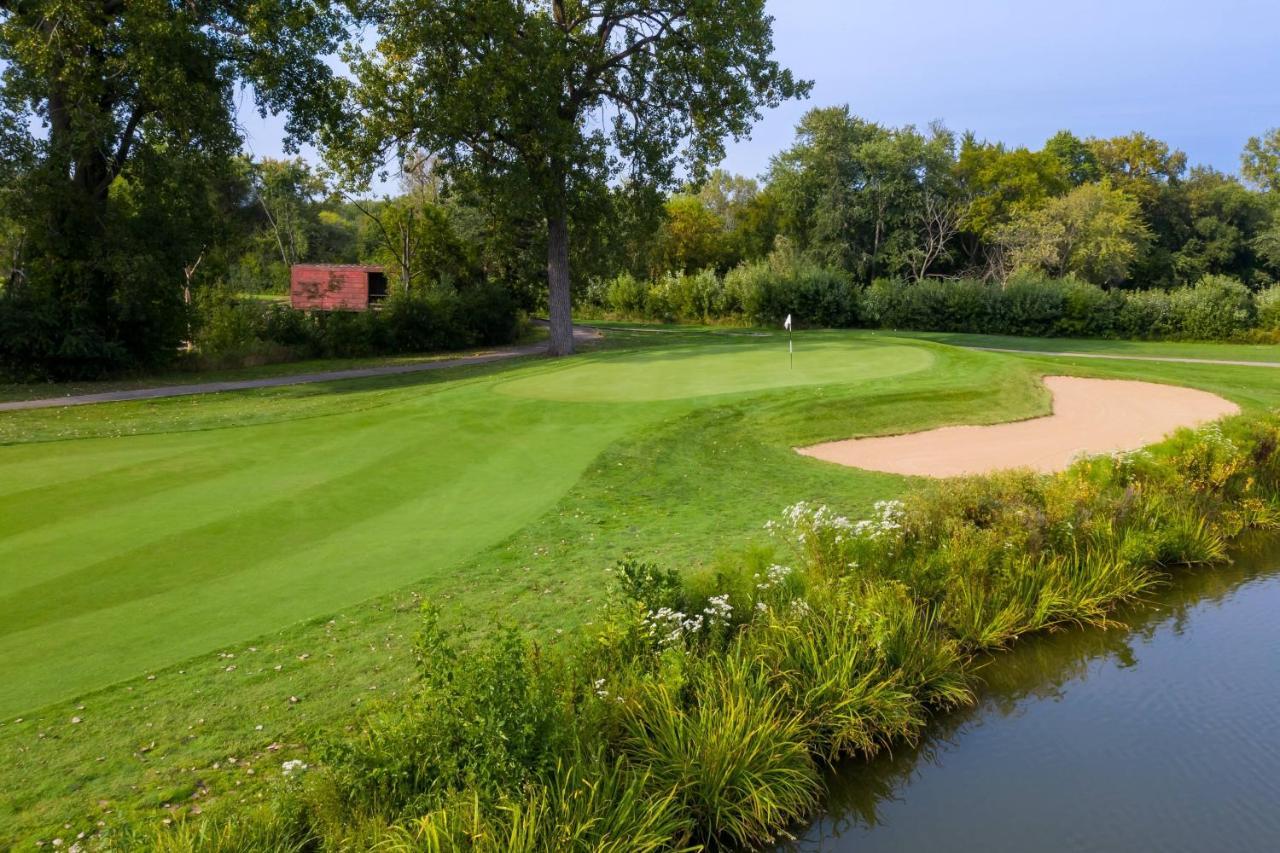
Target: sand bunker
x=1090 y=416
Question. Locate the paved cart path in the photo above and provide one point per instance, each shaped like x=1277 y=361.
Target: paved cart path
x=579 y=333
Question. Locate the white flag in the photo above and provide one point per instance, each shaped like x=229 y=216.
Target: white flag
x=787 y=324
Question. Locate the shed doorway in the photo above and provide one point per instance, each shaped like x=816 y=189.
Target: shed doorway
x=377 y=286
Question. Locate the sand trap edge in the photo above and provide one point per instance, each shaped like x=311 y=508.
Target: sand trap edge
x=1089 y=417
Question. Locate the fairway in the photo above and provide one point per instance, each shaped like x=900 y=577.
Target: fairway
x=307 y=523
x=121 y=555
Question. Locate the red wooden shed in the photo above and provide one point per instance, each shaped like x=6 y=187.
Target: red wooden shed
x=336 y=287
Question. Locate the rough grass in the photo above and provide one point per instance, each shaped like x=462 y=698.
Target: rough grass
x=220 y=481
x=1160 y=349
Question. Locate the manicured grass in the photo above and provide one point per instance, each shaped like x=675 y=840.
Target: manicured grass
x=296 y=528
x=1160 y=349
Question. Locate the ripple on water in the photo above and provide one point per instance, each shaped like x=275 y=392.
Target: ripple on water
x=1163 y=737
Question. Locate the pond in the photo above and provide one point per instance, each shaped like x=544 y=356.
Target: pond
x=1163 y=734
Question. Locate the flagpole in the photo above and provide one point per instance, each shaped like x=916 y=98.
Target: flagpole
x=791 y=350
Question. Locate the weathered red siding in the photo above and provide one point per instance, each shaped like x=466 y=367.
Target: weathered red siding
x=326 y=287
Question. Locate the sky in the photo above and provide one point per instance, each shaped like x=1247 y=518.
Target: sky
x=1203 y=75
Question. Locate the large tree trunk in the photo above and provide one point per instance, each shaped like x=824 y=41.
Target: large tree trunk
x=559 y=303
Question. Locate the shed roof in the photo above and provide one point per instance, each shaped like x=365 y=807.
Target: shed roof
x=366 y=267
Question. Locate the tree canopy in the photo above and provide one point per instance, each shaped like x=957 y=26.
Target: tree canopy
x=1260 y=162
x=124 y=108
x=544 y=103
x=1095 y=232
x=531 y=138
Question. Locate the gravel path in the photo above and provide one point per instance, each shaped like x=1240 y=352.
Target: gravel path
x=579 y=333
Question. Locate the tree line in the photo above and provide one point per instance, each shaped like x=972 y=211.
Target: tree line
x=119 y=142
x=884 y=202
x=544 y=147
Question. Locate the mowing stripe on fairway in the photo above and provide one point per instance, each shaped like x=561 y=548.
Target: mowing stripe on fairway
x=120 y=555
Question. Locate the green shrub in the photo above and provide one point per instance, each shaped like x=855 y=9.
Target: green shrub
x=1146 y=314
x=697 y=298
x=488 y=722
x=1088 y=311
x=815 y=296
x=829 y=672
x=233 y=330
x=287 y=327
x=659 y=303
x=426 y=321
x=343 y=334
x=228 y=326
x=489 y=313
x=765 y=292
x=1217 y=308
x=1268 y=302
x=747 y=286
x=647 y=585
x=30 y=334
x=1032 y=306
x=824 y=298
x=882 y=304
x=626 y=295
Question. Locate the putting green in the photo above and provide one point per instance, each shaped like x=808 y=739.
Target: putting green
x=120 y=555
x=702 y=371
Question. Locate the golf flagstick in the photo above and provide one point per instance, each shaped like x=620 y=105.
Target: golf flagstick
x=791 y=350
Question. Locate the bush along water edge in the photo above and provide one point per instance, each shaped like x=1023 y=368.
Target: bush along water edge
x=699 y=711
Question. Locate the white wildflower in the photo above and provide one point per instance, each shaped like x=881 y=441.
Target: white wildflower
x=718 y=610
x=669 y=626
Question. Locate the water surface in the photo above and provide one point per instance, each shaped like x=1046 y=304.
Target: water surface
x=1163 y=735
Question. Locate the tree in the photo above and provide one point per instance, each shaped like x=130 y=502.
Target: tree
x=1095 y=232
x=287 y=192
x=1138 y=164
x=111 y=84
x=417 y=238
x=1003 y=184
x=749 y=215
x=852 y=192
x=1221 y=223
x=756 y=226
x=727 y=196
x=816 y=181
x=1079 y=162
x=693 y=236
x=1260 y=162
x=545 y=102
x=939 y=223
